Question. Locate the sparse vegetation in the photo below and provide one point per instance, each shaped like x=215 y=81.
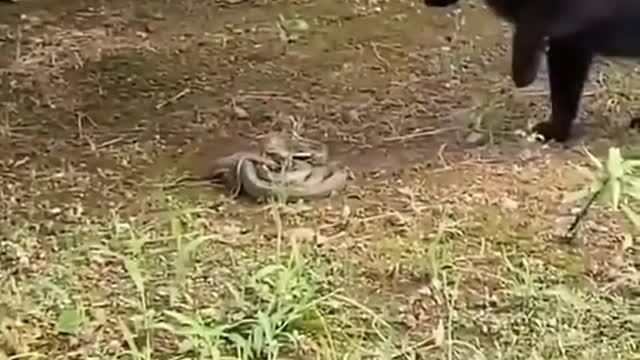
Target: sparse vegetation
x=441 y=248
x=616 y=182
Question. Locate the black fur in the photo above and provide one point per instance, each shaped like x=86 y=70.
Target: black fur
x=575 y=31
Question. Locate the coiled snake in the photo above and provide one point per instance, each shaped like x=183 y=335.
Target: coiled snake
x=287 y=165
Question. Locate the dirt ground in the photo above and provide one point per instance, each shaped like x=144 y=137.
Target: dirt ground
x=444 y=245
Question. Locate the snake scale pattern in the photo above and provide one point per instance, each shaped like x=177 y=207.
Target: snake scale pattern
x=286 y=166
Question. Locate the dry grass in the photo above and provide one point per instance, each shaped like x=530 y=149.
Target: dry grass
x=442 y=248
x=41 y=58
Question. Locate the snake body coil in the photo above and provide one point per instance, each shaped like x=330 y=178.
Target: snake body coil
x=286 y=166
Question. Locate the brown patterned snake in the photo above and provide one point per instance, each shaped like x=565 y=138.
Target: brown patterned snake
x=286 y=165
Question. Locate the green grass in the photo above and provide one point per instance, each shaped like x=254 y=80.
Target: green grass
x=181 y=289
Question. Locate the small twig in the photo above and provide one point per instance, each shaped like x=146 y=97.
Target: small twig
x=570 y=234
x=376 y=53
x=8 y=175
x=441 y=156
x=108 y=143
x=419 y=134
x=18 y=43
x=79 y=118
x=268 y=97
x=545 y=92
x=173 y=99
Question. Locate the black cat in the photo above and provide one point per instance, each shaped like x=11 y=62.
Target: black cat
x=573 y=31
